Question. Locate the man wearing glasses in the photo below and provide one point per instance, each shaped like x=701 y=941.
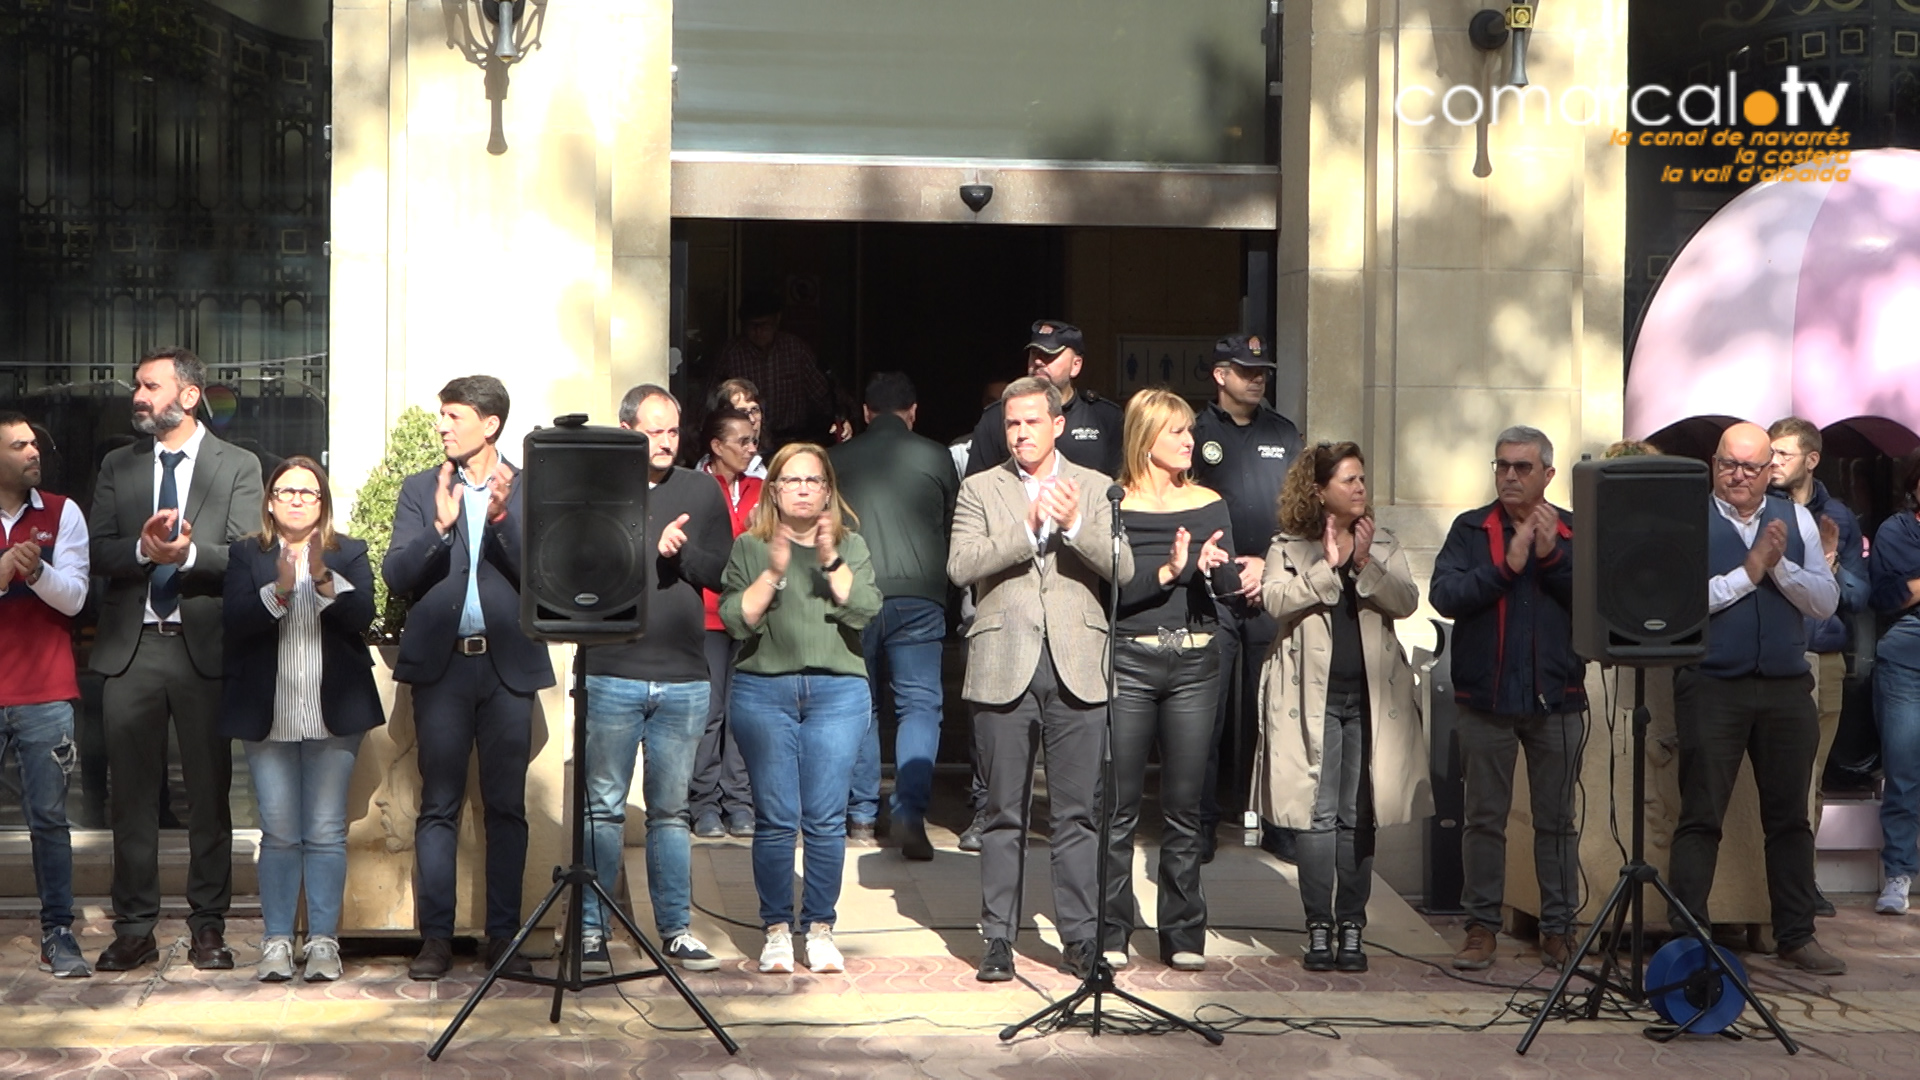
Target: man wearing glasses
x=1752 y=694
x=1505 y=576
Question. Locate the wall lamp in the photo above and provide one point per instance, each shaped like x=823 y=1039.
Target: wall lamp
x=492 y=35
x=1490 y=30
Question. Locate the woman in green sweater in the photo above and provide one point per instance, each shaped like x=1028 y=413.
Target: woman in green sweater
x=798 y=589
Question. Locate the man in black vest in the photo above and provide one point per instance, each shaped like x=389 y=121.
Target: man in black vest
x=1752 y=694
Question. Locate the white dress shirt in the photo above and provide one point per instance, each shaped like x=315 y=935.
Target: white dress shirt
x=63 y=577
x=183 y=483
x=1035 y=484
x=1810 y=588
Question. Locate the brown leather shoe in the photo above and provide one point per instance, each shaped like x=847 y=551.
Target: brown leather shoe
x=497 y=947
x=1477 y=953
x=1813 y=959
x=210 y=952
x=1556 y=950
x=127 y=952
x=436 y=956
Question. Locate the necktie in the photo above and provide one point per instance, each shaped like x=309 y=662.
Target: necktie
x=164 y=588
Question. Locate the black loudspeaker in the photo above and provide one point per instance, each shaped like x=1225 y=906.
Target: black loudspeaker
x=584 y=526
x=1640 y=560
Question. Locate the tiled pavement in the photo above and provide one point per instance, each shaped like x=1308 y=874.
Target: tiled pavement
x=908 y=1005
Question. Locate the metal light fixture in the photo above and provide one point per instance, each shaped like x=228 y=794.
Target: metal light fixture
x=493 y=35
x=1490 y=30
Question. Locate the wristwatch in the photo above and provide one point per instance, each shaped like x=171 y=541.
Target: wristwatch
x=838 y=562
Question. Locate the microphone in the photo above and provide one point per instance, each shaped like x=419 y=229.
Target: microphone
x=1114 y=494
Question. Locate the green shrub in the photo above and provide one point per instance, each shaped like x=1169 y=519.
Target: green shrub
x=412 y=445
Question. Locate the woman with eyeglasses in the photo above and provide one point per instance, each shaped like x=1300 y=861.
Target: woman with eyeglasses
x=798 y=590
x=299 y=695
x=720 y=797
x=1342 y=752
x=1167 y=670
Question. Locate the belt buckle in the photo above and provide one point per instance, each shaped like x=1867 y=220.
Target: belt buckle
x=167 y=629
x=475 y=645
x=1176 y=638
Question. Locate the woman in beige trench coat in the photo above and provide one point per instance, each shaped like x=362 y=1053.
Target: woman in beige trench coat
x=1342 y=750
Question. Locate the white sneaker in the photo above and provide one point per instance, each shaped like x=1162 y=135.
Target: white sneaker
x=823 y=956
x=276 y=960
x=323 y=959
x=776 y=956
x=1893 y=898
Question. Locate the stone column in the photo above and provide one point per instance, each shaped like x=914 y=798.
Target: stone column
x=511 y=221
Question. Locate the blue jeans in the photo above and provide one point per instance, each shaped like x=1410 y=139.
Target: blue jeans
x=41 y=736
x=799 y=735
x=667 y=719
x=301 y=789
x=903 y=643
x=1897 y=711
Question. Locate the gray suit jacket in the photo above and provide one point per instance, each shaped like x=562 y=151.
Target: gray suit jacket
x=223 y=503
x=1021 y=598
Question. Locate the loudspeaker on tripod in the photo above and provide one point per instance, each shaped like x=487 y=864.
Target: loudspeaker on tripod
x=1640 y=560
x=583 y=558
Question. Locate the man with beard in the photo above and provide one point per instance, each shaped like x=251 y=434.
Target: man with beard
x=1091 y=438
x=456 y=555
x=164 y=511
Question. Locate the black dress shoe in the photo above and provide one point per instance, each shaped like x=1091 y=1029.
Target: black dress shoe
x=972 y=836
x=436 y=956
x=1078 y=958
x=998 y=963
x=209 y=951
x=497 y=947
x=1822 y=906
x=127 y=952
x=911 y=835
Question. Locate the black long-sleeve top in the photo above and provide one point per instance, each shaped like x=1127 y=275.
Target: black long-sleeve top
x=1147 y=606
x=674 y=647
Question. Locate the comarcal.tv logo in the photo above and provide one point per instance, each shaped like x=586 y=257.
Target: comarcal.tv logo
x=1793 y=136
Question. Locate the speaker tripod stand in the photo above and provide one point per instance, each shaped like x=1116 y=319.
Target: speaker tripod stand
x=1098 y=982
x=1629 y=897
x=574 y=881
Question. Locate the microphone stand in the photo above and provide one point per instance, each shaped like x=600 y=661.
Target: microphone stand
x=1099 y=981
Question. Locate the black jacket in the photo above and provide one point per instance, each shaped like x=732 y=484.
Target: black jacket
x=421 y=566
x=1513 y=633
x=349 y=700
x=902 y=487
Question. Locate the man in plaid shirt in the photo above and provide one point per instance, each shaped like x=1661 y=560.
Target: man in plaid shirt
x=797 y=399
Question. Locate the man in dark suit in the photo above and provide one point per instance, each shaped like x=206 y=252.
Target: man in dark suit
x=164 y=511
x=1033 y=535
x=455 y=555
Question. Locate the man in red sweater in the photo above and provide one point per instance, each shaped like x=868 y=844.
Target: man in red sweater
x=43 y=582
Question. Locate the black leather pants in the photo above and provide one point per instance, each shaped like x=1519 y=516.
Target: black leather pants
x=1166 y=695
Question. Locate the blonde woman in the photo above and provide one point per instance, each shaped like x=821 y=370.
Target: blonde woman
x=1167 y=670
x=797 y=591
x=1342 y=752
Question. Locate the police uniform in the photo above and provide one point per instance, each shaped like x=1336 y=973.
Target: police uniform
x=1246 y=464
x=1091 y=439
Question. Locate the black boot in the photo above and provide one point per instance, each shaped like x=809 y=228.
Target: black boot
x=1350 y=958
x=1319 y=947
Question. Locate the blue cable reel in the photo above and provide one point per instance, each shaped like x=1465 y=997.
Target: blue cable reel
x=1686 y=992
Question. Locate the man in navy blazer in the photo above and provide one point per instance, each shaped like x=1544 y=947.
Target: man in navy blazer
x=455 y=555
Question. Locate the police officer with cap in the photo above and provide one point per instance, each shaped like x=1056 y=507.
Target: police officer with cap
x=1242 y=449
x=1092 y=438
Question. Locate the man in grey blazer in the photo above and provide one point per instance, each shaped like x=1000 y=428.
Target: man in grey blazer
x=164 y=511
x=1034 y=536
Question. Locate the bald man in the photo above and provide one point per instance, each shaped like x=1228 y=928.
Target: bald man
x=1752 y=694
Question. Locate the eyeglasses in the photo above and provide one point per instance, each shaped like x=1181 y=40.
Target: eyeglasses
x=753 y=412
x=1745 y=469
x=296 y=496
x=793 y=483
x=1521 y=469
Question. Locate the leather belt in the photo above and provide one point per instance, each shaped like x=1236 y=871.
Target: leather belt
x=164 y=629
x=471 y=646
x=1177 y=639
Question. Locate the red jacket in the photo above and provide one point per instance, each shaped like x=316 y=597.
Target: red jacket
x=740 y=503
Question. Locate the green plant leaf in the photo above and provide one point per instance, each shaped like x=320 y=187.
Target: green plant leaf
x=412 y=446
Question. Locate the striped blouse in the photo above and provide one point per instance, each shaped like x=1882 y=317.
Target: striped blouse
x=296 y=695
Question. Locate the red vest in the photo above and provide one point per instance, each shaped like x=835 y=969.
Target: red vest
x=36 y=642
x=738 y=512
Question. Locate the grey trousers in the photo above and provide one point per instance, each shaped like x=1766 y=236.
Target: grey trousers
x=1336 y=855
x=1489 y=745
x=159 y=684
x=1004 y=740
